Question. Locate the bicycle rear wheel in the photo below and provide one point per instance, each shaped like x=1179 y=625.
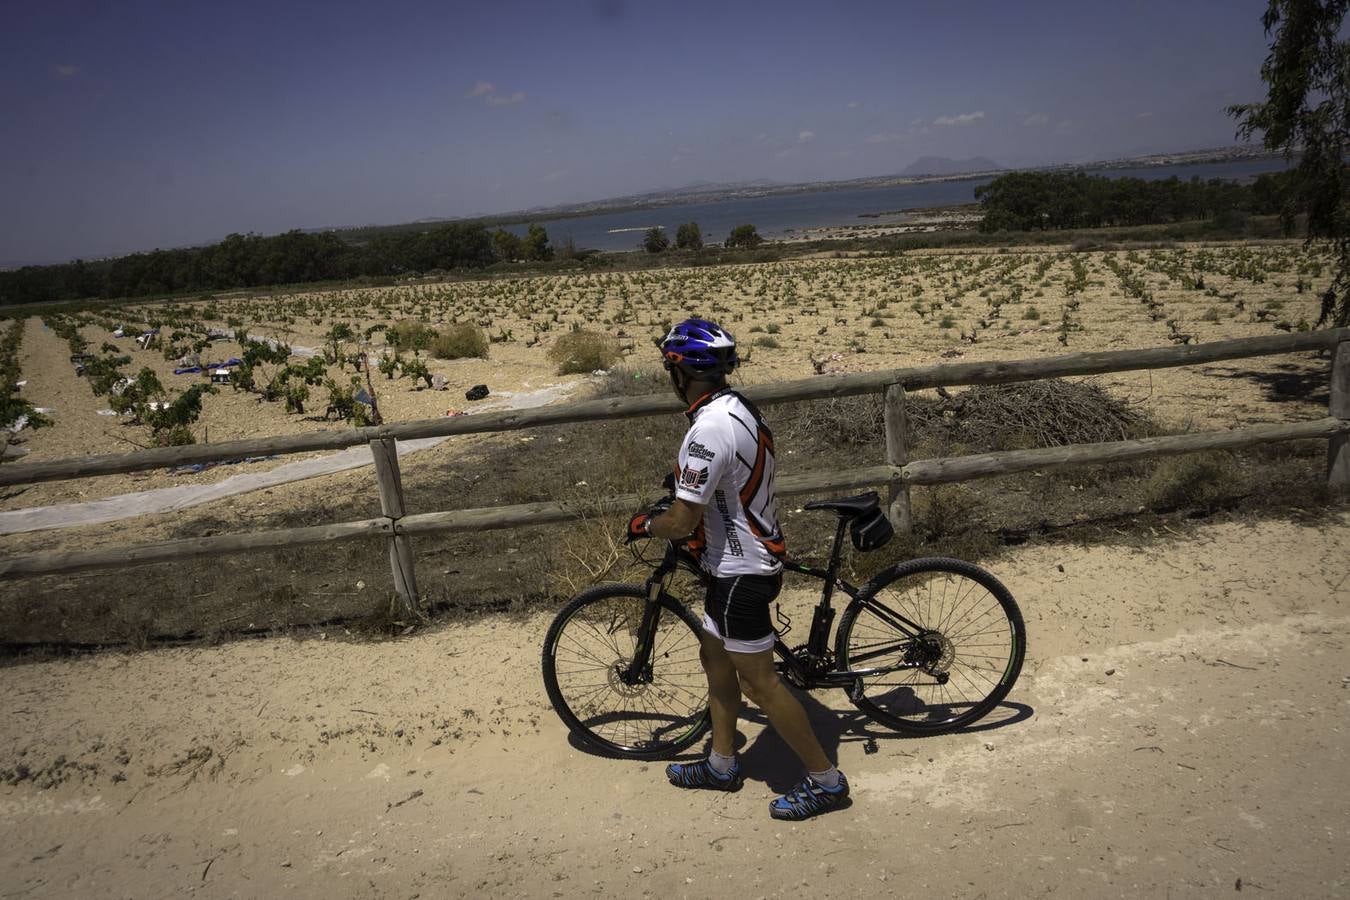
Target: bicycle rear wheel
x=587 y=651
x=949 y=671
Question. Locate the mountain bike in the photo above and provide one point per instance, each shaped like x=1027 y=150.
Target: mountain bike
x=926 y=646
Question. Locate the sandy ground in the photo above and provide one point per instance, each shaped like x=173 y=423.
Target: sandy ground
x=1178 y=730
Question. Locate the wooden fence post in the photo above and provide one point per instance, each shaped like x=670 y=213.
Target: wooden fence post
x=1338 y=448
x=897 y=454
x=385 y=453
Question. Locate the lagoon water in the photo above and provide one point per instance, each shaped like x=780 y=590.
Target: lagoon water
x=776 y=216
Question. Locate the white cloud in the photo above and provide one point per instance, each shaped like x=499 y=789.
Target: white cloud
x=1035 y=120
x=487 y=92
x=806 y=136
x=962 y=119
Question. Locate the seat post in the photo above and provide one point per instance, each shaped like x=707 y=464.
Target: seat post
x=824 y=614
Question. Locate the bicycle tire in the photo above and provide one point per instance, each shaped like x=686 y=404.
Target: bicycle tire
x=979 y=666
x=581 y=662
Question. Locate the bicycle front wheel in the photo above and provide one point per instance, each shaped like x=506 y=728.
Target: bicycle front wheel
x=587 y=657
x=937 y=643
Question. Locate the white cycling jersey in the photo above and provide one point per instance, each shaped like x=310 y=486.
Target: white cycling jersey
x=726 y=464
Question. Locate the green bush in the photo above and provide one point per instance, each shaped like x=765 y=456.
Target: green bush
x=415 y=369
x=410 y=335
x=584 y=351
x=461 y=341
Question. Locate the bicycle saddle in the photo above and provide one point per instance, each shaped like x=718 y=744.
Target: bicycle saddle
x=848 y=506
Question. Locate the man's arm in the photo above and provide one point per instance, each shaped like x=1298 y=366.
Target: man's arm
x=678 y=521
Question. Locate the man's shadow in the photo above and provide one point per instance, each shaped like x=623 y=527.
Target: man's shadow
x=768 y=758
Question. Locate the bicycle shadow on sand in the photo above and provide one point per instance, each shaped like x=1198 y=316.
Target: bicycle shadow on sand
x=769 y=759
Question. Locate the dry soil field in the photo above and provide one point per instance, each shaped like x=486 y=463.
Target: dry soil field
x=795 y=318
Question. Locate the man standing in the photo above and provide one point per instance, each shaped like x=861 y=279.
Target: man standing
x=724 y=504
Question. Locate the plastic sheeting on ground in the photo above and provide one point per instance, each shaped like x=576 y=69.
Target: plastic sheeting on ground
x=170 y=499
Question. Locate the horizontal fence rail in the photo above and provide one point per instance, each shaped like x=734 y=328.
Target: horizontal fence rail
x=494 y=518
x=397 y=528
x=817 y=388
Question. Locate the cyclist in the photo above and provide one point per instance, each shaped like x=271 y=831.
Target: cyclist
x=724 y=505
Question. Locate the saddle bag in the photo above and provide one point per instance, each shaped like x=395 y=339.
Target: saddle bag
x=871 y=530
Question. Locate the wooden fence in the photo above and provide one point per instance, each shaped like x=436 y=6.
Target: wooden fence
x=898 y=472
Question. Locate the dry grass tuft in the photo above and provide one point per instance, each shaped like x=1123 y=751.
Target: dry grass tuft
x=584 y=351
x=463 y=341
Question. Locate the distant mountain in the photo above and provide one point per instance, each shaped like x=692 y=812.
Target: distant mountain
x=944 y=165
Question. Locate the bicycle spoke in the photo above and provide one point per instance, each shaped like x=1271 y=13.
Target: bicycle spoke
x=959 y=657
x=659 y=704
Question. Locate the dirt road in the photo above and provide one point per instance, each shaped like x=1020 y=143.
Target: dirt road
x=1179 y=730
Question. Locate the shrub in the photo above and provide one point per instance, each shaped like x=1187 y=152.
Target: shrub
x=654 y=240
x=342 y=402
x=1196 y=481
x=461 y=341
x=182 y=411
x=767 y=343
x=689 y=237
x=744 y=236
x=410 y=335
x=947 y=322
x=415 y=369
x=584 y=351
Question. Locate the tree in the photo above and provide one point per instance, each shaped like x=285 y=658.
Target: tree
x=689 y=237
x=655 y=240
x=744 y=236
x=536 y=243
x=1307 y=107
x=506 y=247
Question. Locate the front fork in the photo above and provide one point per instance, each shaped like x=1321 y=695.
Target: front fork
x=639 y=670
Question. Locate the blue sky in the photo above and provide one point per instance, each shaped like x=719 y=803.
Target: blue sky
x=134 y=125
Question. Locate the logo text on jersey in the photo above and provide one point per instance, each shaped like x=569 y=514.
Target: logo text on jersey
x=728 y=525
x=698 y=451
x=693 y=479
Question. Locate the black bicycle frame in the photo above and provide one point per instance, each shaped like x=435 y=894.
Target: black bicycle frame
x=817 y=646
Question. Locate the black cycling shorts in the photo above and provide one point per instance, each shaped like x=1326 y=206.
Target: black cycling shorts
x=736 y=609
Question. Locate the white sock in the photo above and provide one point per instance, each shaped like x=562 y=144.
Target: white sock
x=721 y=764
x=829 y=779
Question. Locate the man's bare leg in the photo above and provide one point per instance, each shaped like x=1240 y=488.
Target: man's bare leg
x=724 y=694
x=785 y=713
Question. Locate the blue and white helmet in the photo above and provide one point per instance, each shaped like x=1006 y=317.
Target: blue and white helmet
x=700 y=347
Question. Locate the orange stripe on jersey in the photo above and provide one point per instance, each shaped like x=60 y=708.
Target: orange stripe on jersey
x=756 y=473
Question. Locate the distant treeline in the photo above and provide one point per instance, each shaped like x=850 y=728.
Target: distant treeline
x=1028 y=201
x=250 y=260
